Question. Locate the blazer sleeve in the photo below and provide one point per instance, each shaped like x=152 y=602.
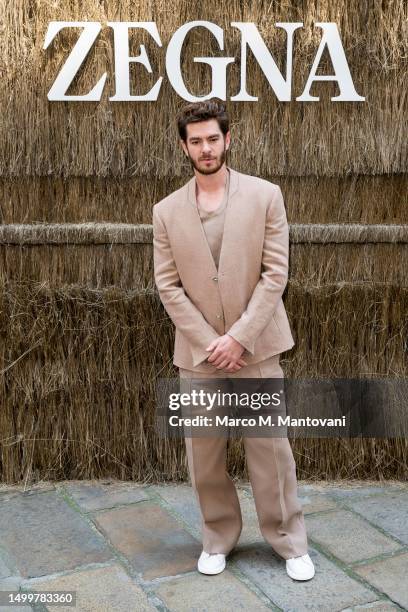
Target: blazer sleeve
x=273 y=280
x=184 y=314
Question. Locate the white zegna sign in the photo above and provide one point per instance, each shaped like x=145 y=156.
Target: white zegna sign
x=250 y=38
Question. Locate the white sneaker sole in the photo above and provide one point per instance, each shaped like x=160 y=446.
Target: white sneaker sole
x=298 y=577
x=211 y=572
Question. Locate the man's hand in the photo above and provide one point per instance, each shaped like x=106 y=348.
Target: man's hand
x=226 y=354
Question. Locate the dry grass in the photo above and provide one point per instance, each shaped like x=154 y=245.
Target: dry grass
x=100 y=255
x=79 y=368
x=308 y=199
x=139 y=139
x=83 y=333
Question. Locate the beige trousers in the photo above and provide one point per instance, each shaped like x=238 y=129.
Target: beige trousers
x=272 y=473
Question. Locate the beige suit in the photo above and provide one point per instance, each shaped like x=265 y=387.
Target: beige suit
x=244 y=298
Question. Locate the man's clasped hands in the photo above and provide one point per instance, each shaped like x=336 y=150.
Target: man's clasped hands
x=226 y=354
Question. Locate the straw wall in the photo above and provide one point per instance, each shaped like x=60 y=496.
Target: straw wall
x=83 y=333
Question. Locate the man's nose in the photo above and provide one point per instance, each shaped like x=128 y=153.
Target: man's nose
x=206 y=147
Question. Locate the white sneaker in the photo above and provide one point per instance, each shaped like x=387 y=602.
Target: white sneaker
x=300 y=568
x=211 y=563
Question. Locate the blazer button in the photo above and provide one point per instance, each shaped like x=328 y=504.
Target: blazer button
x=215 y=278
x=219 y=316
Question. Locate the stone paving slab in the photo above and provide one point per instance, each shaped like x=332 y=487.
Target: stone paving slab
x=7 y=491
x=359 y=491
x=348 y=537
x=12 y=583
x=4 y=570
x=250 y=534
x=330 y=589
x=96 y=495
x=377 y=606
x=16 y=608
x=223 y=592
x=389 y=576
x=244 y=486
x=389 y=512
x=151 y=539
x=8 y=582
x=182 y=499
x=43 y=535
x=101 y=589
x=316 y=502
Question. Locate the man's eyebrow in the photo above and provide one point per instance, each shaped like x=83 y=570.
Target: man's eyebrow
x=199 y=137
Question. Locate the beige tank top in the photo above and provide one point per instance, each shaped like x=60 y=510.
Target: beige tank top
x=213 y=224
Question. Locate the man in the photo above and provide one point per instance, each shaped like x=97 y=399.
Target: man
x=221 y=265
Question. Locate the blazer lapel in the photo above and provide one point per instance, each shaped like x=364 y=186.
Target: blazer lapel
x=196 y=229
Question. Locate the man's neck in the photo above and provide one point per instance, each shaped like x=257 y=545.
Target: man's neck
x=211 y=183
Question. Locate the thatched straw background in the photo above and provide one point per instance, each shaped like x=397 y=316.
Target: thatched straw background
x=308 y=199
x=80 y=365
x=83 y=333
x=98 y=255
x=138 y=139
x=79 y=362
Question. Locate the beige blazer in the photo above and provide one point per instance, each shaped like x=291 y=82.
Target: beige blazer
x=244 y=296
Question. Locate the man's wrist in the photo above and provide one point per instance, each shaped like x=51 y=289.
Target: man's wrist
x=239 y=342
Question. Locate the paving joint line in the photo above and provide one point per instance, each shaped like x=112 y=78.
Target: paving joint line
x=232 y=565
x=377 y=527
x=121 y=559
x=349 y=571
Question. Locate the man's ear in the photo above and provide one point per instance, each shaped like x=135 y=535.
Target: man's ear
x=183 y=145
x=227 y=140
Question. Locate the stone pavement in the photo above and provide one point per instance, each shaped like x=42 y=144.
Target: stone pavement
x=129 y=547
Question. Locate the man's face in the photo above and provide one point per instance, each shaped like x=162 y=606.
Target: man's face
x=206 y=146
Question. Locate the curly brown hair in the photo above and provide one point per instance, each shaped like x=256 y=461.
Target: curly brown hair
x=202 y=111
